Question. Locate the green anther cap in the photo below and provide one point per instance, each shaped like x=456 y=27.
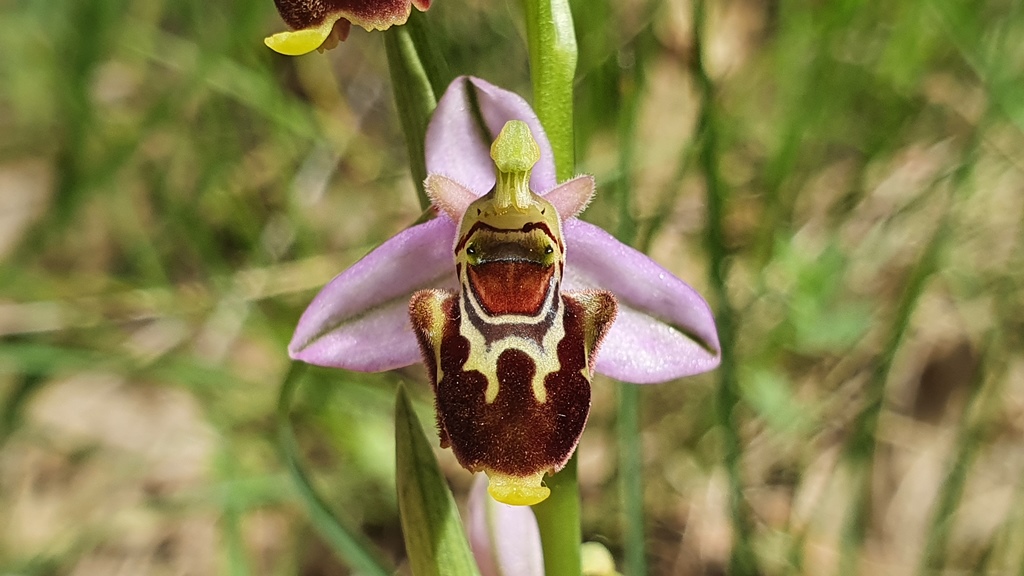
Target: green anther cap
x=514 y=153
x=515 y=150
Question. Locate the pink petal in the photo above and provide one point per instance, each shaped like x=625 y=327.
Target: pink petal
x=664 y=329
x=572 y=196
x=360 y=320
x=505 y=539
x=458 y=147
x=448 y=196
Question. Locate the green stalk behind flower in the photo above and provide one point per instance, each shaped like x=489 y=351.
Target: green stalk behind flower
x=552 y=45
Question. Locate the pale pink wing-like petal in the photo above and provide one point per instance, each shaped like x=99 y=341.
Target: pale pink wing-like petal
x=572 y=196
x=448 y=196
x=664 y=329
x=458 y=147
x=360 y=320
x=505 y=539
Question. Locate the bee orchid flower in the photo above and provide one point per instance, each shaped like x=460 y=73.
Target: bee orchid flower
x=510 y=301
x=321 y=24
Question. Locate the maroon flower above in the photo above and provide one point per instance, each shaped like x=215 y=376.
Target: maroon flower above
x=321 y=24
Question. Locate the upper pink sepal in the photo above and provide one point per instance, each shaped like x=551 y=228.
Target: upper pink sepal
x=457 y=147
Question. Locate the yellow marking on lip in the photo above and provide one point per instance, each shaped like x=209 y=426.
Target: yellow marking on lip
x=299 y=42
x=517 y=490
x=484 y=358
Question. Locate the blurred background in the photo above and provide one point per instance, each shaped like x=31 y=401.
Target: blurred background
x=172 y=194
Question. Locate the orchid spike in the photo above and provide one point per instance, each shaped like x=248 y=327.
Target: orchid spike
x=537 y=280
x=322 y=24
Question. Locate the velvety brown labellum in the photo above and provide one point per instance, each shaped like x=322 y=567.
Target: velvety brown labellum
x=299 y=14
x=515 y=433
x=509 y=355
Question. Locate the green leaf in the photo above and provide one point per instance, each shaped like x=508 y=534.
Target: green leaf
x=348 y=544
x=434 y=538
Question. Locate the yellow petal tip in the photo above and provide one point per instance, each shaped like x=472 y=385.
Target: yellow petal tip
x=517 y=490
x=297 y=42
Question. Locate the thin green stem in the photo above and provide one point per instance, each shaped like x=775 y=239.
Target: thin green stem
x=558 y=518
x=435 y=67
x=232 y=519
x=552 y=43
x=412 y=81
x=348 y=544
x=631 y=475
x=631 y=479
x=742 y=560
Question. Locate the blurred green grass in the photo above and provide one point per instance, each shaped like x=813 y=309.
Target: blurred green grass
x=172 y=194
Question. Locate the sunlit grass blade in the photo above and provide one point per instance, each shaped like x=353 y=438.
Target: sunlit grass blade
x=742 y=560
x=415 y=77
x=434 y=538
x=976 y=422
x=631 y=479
x=861 y=447
x=350 y=546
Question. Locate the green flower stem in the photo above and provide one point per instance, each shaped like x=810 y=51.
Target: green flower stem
x=414 y=80
x=742 y=561
x=552 y=43
x=631 y=472
x=631 y=479
x=346 y=543
x=558 y=518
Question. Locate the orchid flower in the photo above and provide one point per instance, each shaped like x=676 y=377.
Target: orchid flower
x=321 y=24
x=507 y=298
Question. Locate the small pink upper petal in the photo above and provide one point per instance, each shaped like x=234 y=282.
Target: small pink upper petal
x=360 y=320
x=664 y=329
x=572 y=196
